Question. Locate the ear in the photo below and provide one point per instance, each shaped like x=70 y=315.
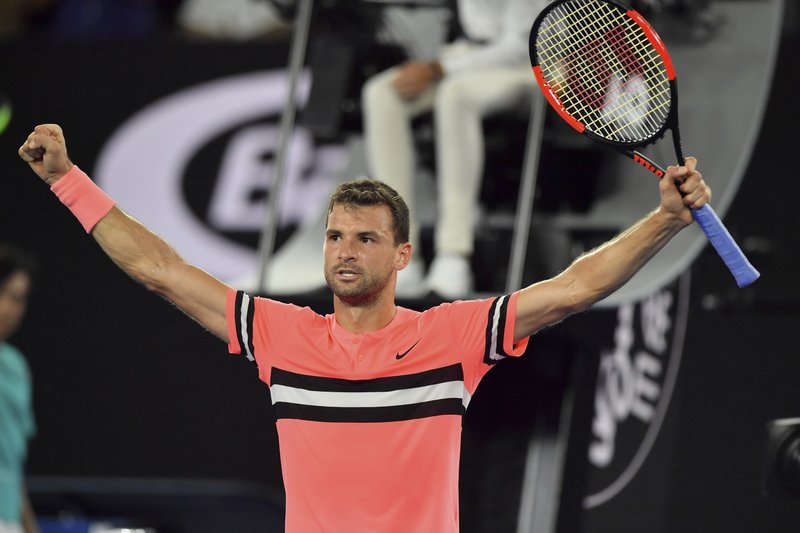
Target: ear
x=403 y=256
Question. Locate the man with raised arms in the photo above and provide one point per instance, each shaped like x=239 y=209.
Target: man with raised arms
x=368 y=400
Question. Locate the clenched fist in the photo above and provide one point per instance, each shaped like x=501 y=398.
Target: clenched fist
x=45 y=150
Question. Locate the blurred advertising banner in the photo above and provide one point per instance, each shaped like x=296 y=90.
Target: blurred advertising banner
x=184 y=137
x=211 y=150
x=629 y=441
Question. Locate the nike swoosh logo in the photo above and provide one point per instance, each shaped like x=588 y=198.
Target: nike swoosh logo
x=401 y=355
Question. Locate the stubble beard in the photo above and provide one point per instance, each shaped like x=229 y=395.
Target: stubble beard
x=366 y=290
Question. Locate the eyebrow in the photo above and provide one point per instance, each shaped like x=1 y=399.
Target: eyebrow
x=371 y=233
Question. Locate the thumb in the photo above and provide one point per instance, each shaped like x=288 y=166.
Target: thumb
x=690 y=163
x=668 y=179
x=46 y=151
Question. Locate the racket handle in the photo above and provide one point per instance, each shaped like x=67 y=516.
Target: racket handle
x=726 y=247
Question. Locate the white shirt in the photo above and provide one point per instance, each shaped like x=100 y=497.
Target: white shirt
x=503 y=24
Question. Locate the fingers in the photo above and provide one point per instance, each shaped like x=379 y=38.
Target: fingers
x=407 y=87
x=690 y=183
x=30 y=150
x=46 y=152
x=412 y=79
x=44 y=138
x=696 y=193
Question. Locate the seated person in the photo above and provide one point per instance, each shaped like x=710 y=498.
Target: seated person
x=17 y=423
x=485 y=71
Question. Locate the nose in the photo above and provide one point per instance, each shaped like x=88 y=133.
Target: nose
x=347 y=250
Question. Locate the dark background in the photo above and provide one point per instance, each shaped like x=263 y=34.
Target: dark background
x=126 y=386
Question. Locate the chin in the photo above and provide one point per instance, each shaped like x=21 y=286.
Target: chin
x=355 y=295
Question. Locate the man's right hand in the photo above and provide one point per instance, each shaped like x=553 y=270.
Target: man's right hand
x=45 y=150
x=414 y=77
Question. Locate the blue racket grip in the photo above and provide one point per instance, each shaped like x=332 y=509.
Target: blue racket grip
x=726 y=247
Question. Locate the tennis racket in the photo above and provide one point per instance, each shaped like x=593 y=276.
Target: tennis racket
x=607 y=73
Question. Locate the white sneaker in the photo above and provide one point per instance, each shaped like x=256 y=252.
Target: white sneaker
x=410 y=281
x=450 y=276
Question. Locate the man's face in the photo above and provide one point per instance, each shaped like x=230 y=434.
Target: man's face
x=360 y=255
x=13 y=303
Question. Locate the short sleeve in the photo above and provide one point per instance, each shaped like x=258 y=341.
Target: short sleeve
x=239 y=312
x=500 y=324
x=262 y=329
x=483 y=333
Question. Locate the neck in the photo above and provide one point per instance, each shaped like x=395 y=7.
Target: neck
x=364 y=316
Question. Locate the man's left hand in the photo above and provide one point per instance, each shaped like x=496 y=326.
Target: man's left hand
x=416 y=76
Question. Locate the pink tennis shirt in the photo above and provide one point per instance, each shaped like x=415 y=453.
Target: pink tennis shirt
x=369 y=425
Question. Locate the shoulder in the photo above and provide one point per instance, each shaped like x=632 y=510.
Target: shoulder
x=13 y=359
x=461 y=309
x=246 y=305
x=271 y=309
x=11 y=352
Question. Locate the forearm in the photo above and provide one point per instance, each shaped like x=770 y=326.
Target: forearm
x=602 y=271
x=29 y=524
x=138 y=251
x=597 y=274
x=500 y=54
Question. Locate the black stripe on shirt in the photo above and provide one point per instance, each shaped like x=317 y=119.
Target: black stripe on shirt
x=501 y=327
x=251 y=309
x=237 y=320
x=445 y=374
x=394 y=413
x=489 y=327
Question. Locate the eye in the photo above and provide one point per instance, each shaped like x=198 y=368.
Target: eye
x=367 y=240
x=334 y=237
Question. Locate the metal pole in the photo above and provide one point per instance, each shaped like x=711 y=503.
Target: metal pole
x=522 y=220
x=542 y=480
x=297 y=54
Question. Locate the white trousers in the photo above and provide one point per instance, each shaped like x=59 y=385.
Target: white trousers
x=7 y=527
x=459 y=102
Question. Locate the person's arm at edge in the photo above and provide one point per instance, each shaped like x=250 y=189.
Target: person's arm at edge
x=136 y=250
x=598 y=273
x=29 y=524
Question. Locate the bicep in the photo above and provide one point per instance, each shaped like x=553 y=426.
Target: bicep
x=153 y=262
x=545 y=303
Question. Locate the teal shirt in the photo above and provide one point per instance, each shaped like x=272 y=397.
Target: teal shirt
x=16 y=427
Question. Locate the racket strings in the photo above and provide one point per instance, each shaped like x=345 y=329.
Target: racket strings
x=588 y=98
x=592 y=95
x=604 y=70
x=624 y=100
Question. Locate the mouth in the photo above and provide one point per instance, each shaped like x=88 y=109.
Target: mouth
x=347 y=273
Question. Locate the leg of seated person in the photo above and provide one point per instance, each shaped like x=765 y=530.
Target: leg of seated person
x=391 y=157
x=461 y=103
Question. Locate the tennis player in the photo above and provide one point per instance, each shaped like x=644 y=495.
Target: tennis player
x=368 y=400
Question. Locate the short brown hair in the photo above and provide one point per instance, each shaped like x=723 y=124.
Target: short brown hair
x=368 y=192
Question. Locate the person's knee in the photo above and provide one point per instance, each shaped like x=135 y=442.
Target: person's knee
x=377 y=93
x=453 y=93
